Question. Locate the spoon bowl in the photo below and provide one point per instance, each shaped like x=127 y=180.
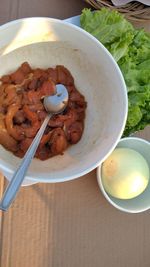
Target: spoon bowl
x=56 y=103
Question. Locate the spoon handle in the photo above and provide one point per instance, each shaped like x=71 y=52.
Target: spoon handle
x=17 y=179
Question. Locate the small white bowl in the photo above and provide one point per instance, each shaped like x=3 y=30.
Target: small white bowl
x=141 y=202
x=46 y=42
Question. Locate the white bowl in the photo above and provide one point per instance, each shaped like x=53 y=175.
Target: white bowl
x=141 y=202
x=45 y=42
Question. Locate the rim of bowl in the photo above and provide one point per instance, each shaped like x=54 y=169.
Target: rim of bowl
x=124 y=93
x=134 y=138
x=99 y=180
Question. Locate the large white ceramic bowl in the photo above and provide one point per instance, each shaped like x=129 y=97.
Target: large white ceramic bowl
x=45 y=42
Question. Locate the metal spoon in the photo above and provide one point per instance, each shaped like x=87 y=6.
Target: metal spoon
x=54 y=105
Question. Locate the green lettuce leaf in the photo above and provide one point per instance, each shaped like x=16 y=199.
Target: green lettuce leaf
x=110 y=28
x=131 y=49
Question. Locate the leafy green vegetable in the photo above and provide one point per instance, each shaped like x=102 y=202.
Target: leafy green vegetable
x=131 y=49
x=114 y=32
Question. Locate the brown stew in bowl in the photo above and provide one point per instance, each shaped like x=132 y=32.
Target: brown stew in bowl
x=22 y=111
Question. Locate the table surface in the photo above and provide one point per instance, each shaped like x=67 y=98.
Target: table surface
x=68 y=224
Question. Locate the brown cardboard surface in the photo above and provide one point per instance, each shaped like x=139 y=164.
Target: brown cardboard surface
x=68 y=224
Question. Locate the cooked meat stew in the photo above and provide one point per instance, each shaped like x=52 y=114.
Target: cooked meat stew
x=22 y=111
